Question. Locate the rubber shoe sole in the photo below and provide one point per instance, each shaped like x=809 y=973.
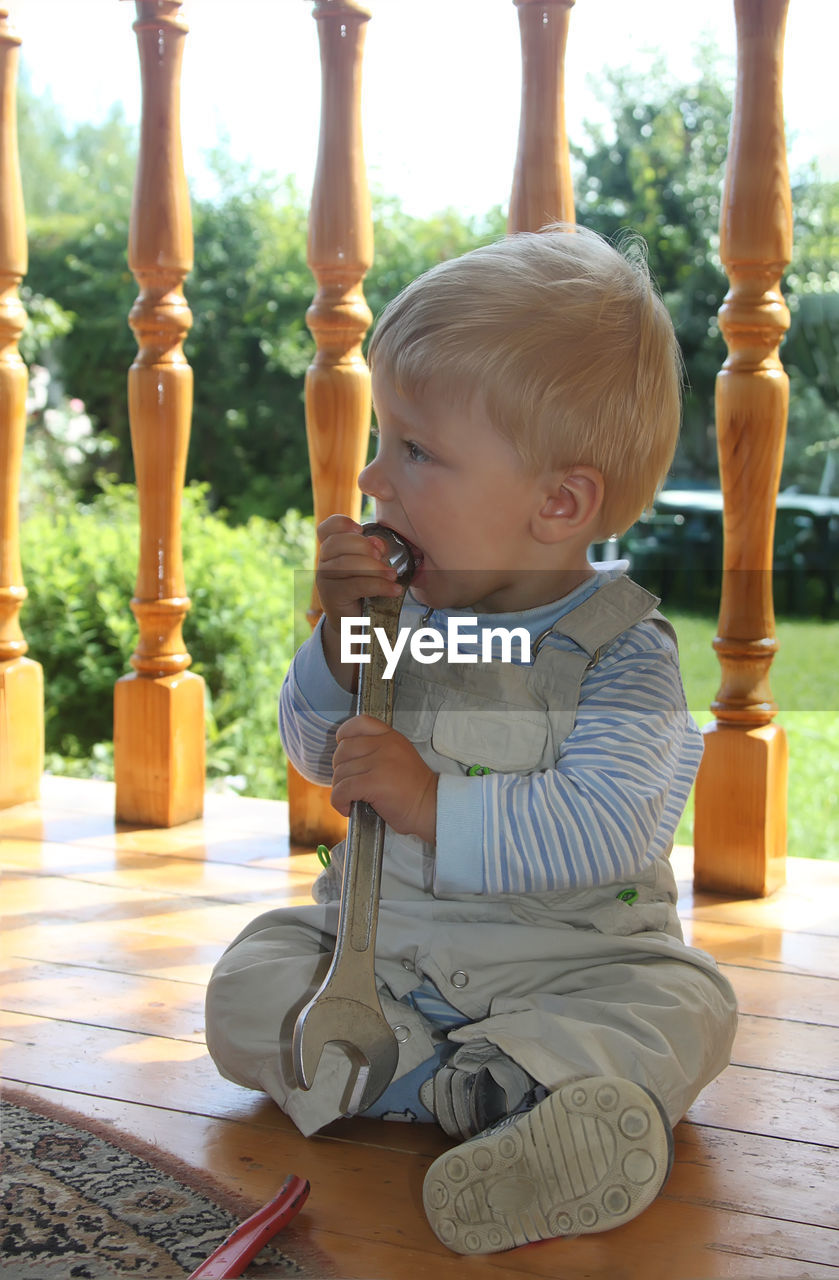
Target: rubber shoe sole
x=589 y=1157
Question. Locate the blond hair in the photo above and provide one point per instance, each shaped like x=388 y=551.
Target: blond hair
x=569 y=346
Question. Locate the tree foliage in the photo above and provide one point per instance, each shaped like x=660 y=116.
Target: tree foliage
x=811 y=350
x=659 y=171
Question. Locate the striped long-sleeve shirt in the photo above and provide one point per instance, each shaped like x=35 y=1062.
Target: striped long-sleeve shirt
x=609 y=806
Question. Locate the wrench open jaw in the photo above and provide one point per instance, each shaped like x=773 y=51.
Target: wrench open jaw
x=346 y=1009
x=367 y=1041
x=373 y=1065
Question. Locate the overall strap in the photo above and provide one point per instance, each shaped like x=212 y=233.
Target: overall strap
x=557 y=675
x=611 y=610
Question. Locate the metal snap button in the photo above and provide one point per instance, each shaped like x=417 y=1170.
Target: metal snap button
x=408 y=964
x=402 y=1033
x=460 y=979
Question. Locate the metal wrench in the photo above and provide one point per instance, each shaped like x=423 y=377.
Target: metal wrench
x=346 y=1009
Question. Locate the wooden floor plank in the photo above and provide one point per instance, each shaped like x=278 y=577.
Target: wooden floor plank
x=797 y=997
x=802 y=1189
x=171 y=873
x=791 y=909
x=33 y=900
x=124 y=1001
x=812 y=1050
x=759 y=948
x=149 y=947
x=772 y=1103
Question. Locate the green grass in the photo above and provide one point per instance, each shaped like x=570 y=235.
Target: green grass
x=805 y=686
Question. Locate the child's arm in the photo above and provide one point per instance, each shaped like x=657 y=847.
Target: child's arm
x=312 y=704
x=608 y=807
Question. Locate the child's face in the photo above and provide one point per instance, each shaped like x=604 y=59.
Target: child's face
x=446 y=480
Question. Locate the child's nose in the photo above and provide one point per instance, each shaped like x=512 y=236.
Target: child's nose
x=374 y=483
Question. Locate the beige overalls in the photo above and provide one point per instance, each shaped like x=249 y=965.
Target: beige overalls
x=568 y=984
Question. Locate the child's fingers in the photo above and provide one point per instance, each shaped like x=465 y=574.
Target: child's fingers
x=339 y=534
x=360 y=742
x=355 y=775
x=350 y=568
x=346 y=553
x=361 y=727
x=336 y=524
x=350 y=565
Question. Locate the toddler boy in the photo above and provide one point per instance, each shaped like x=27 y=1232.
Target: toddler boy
x=529 y=956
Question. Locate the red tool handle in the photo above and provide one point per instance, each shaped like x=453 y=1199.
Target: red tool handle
x=231 y=1257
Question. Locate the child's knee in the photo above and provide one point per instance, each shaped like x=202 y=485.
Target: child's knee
x=253 y=998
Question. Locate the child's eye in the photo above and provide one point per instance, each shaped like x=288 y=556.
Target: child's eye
x=415 y=453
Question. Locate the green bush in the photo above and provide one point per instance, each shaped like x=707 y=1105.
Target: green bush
x=80 y=565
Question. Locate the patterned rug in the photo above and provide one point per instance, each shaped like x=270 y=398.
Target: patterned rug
x=82 y=1202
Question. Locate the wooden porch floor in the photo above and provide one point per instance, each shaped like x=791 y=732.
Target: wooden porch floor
x=109 y=936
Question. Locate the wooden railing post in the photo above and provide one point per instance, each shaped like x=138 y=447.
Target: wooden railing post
x=338 y=380
x=741 y=791
x=21 y=679
x=159 y=710
x=542 y=188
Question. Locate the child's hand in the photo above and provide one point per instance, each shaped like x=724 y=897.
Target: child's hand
x=375 y=763
x=350 y=567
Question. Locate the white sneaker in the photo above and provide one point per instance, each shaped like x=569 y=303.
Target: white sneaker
x=589 y=1157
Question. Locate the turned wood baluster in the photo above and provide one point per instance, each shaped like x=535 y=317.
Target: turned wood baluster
x=542 y=188
x=159 y=710
x=21 y=679
x=740 y=823
x=338 y=381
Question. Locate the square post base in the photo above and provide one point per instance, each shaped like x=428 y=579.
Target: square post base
x=21 y=731
x=740 y=815
x=159 y=749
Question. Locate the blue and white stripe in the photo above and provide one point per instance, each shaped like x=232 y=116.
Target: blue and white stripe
x=621 y=782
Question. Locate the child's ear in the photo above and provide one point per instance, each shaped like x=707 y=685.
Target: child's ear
x=571 y=505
